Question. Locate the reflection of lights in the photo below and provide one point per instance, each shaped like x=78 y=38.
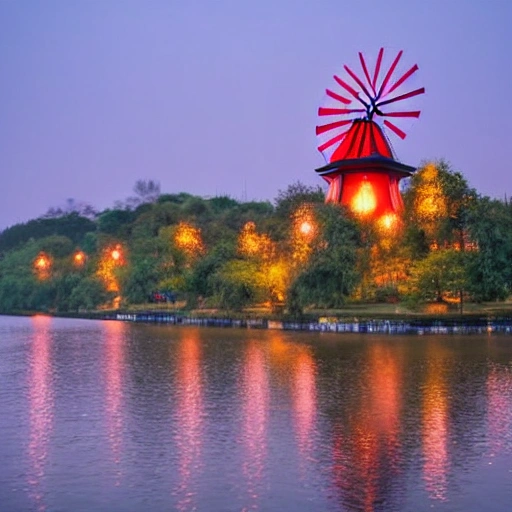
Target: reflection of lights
x=364 y=201
x=255 y=397
x=499 y=409
x=435 y=434
x=114 y=364
x=190 y=417
x=41 y=405
x=304 y=400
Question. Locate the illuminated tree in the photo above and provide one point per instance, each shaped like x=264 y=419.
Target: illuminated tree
x=303 y=233
x=111 y=259
x=437 y=203
x=330 y=274
x=42 y=266
x=253 y=244
x=188 y=239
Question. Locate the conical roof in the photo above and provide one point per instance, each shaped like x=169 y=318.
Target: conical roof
x=364 y=138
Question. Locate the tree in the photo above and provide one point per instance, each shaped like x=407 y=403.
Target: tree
x=441 y=275
x=237 y=284
x=329 y=276
x=490 y=269
x=436 y=207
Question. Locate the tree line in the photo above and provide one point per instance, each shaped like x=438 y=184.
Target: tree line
x=450 y=244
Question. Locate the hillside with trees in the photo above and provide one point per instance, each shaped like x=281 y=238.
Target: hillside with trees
x=451 y=245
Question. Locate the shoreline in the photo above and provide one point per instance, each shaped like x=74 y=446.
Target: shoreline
x=414 y=325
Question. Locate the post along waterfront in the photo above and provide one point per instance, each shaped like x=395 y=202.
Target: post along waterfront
x=110 y=415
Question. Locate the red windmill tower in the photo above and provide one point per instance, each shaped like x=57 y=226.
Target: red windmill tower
x=362 y=170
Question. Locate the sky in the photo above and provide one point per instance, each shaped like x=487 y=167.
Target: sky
x=220 y=97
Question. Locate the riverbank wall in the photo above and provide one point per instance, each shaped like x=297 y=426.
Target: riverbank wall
x=381 y=326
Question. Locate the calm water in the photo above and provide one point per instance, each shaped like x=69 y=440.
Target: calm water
x=106 y=416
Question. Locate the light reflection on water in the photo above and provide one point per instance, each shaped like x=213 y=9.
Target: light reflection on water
x=113 y=416
x=114 y=357
x=41 y=404
x=189 y=418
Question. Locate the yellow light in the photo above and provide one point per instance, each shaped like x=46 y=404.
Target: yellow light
x=388 y=221
x=188 y=239
x=306 y=227
x=364 y=201
x=116 y=254
x=42 y=263
x=79 y=258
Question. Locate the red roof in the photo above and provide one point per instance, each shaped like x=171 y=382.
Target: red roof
x=364 y=138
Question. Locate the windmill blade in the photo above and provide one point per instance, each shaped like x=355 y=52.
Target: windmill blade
x=411 y=113
x=326 y=127
x=416 y=92
x=358 y=81
x=377 y=69
x=389 y=73
x=323 y=111
x=332 y=141
x=395 y=129
x=338 y=97
x=399 y=82
x=349 y=89
x=365 y=69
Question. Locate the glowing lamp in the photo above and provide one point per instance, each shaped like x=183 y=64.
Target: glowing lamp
x=306 y=228
x=116 y=254
x=79 y=258
x=364 y=201
x=388 y=221
x=42 y=263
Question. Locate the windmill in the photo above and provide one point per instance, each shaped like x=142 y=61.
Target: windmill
x=359 y=111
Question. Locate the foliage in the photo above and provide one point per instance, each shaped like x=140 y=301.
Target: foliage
x=330 y=275
x=72 y=226
x=450 y=245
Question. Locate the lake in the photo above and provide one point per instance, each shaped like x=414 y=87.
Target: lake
x=113 y=416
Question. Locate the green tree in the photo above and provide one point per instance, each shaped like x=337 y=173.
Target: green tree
x=441 y=275
x=330 y=275
x=490 y=269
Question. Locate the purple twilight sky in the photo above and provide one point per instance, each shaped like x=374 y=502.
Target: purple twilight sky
x=220 y=96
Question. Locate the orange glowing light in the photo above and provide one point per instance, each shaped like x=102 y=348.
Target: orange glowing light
x=306 y=227
x=251 y=243
x=79 y=258
x=364 y=201
x=388 y=221
x=42 y=266
x=188 y=239
x=116 y=254
x=42 y=263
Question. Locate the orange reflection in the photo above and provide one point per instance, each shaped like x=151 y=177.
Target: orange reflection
x=255 y=413
x=304 y=400
x=369 y=445
x=386 y=399
x=189 y=416
x=114 y=364
x=41 y=405
x=499 y=409
x=435 y=430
